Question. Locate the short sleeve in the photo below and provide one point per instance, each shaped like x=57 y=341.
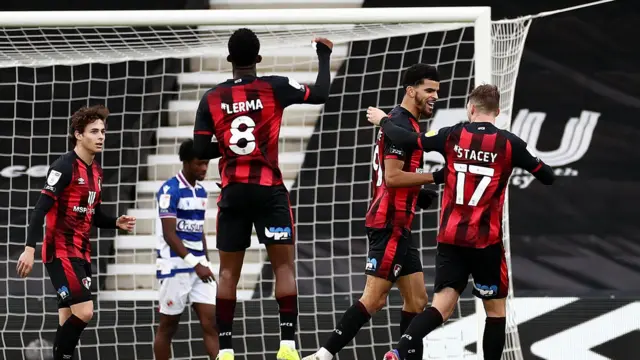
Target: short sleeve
x=288 y=91
x=58 y=178
x=168 y=198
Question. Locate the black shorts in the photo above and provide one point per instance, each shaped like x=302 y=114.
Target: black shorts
x=71 y=278
x=241 y=206
x=391 y=254
x=487 y=267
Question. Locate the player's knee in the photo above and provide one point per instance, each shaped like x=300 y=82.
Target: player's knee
x=167 y=329
x=495 y=308
x=227 y=278
x=84 y=313
x=373 y=302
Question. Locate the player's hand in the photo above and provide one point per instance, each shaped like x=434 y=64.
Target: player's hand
x=25 y=262
x=375 y=115
x=426 y=197
x=126 y=222
x=204 y=273
x=328 y=45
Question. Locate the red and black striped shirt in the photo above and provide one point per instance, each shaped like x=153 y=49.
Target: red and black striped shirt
x=245 y=116
x=76 y=188
x=394 y=207
x=479 y=160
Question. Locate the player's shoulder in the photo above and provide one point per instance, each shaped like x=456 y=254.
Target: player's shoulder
x=401 y=117
x=170 y=186
x=514 y=139
x=65 y=162
x=279 y=82
x=445 y=131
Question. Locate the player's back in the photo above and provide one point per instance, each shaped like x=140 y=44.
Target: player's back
x=478 y=166
x=76 y=188
x=247 y=116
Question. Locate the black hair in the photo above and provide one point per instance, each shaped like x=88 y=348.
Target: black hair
x=244 y=47
x=186 y=151
x=415 y=74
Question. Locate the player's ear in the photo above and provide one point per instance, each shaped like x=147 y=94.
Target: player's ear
x=497 y=112
x=258 y=59
x=411 y=91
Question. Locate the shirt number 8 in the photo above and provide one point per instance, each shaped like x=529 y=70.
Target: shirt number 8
x=242 y=141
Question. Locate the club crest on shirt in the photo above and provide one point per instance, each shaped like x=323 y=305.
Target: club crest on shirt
x=53 y=177
x=164 y=201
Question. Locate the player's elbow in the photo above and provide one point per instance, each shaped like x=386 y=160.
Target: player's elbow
x=545 y=175
x=391 y=179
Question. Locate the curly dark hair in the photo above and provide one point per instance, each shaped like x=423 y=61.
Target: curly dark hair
x=244 y=47
x=415 y=74
x=85 y=116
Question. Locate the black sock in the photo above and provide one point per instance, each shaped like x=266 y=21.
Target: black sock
x=422 y=324
x=68 y=337
x=494 y=337
x=225 y=310
x=417 y=347
x=352 y=320
x=288 y=307
x=56 y=339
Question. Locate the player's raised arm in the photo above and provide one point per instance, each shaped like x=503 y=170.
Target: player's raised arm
x=203 y=132
x=288 y=91
x=523 y=158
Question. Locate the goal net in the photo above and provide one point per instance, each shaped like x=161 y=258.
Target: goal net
x=150 y=69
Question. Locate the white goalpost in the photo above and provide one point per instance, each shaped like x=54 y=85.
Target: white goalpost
x=151 y=68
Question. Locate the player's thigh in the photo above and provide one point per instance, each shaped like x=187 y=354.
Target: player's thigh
x=234 y=221
x=173 y=293
x=387 y=250
x=202 y=292
x=274 y=220
x=489 y=272
x=452 y=270
x=71 y=281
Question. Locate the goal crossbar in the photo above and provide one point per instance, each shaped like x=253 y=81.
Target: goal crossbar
x=243 y=17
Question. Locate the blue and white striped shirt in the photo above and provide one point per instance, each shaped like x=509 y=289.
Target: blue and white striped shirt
x=187 y=204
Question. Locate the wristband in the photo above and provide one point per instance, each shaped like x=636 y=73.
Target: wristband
x=190 y=260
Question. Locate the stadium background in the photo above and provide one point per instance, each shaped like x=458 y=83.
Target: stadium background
x=577 y=239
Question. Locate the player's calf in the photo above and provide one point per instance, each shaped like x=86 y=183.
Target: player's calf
x=415 y=299
x=282 y=258
x=71 y=330
x=166 y=330
x=373 y=299
x=494 y=329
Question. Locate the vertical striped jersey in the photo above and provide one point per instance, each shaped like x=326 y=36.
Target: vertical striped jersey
x=394 y=207
x=245 y=116
x=76 y=188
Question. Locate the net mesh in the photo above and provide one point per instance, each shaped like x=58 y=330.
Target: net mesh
x=151 y=79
